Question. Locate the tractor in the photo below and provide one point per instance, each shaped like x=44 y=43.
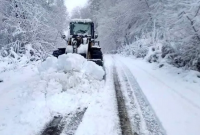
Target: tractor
x=82 y=40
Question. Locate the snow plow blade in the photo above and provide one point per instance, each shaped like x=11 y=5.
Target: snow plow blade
x=98 y=62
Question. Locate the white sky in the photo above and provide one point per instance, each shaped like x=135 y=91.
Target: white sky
x=70 y=4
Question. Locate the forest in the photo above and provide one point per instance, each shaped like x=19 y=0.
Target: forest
x=153 y=29
x=32 y=24
x=99 y=67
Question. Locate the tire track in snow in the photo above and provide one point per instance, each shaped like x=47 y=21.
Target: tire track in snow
x=137 y=123
x=148 y=116
x=54 y=127
x=67 y=125
x=72 y=124
x=123 y=115
x=143 y=120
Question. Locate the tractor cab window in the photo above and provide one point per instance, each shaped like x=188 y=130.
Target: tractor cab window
x=80 y=29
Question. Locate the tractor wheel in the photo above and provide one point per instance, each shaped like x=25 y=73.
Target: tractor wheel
x=96 y=54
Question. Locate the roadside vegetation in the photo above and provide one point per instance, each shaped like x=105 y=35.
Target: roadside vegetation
x=163 y=29
x=32 y=25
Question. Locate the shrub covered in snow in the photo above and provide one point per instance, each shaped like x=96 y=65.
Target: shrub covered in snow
x=139 y=48
x=167 y=50
x=187 y=56
x=35 y=22
x=11 y=59
x=153 y=55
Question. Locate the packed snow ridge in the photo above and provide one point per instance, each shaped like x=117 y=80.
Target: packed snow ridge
x=72 y=62
x=32 y=94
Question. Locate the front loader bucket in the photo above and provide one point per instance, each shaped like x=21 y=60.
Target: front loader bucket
x=97 y=61
x=59 y=52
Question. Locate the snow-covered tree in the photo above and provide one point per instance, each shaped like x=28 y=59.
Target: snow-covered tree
x=34 y=22
x=173 y=23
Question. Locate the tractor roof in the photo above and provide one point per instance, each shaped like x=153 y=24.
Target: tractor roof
x=81 y=20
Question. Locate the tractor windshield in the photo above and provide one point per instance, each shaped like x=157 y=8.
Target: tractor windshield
x=80 y=29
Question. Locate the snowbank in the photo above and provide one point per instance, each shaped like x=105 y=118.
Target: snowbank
x=72 y=62
x=33 y=94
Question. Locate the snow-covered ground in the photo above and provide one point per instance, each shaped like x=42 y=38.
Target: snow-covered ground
x=32 y=94
x=173 y=93
x=101 y=117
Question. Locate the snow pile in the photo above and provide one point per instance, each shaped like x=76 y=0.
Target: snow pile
x=34 y=94
x=72 y=62
x=48 y=64
x=91 y=69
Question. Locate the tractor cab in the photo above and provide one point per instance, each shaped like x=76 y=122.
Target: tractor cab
x=82 y=28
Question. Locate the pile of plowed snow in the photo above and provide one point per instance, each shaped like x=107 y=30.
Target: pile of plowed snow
x=72 y=62
x=33 y=94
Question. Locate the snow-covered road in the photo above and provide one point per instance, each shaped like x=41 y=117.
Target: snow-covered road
x=173 y=94
x=158 y=101
x=143 y=119
x=135 y=96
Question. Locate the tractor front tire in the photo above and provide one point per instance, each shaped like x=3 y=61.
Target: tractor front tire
x=96 y=54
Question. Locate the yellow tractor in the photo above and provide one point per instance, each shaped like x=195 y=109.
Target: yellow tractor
x=82 y=40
